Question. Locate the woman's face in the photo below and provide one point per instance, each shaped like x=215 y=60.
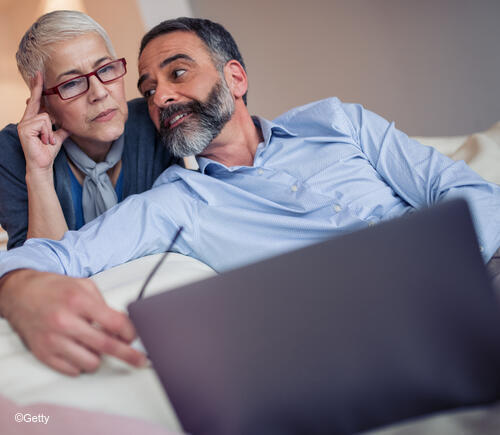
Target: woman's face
x=98 y=116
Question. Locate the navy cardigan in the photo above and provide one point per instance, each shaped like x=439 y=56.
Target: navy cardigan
x=144 y=159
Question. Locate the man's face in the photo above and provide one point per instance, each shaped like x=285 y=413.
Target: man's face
x=188 y=98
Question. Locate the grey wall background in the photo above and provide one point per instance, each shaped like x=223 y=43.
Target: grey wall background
x=431 y=66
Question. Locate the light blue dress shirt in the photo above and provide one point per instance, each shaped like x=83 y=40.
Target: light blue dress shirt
x=323 y=169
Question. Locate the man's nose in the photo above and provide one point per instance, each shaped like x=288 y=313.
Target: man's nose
x=164 y=95
x=97 y=89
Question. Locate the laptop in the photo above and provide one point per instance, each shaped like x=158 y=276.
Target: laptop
x=384 y=324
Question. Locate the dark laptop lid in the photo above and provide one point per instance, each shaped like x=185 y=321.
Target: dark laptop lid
x=358 y=331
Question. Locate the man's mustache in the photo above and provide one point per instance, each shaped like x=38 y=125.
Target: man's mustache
x=169 y=111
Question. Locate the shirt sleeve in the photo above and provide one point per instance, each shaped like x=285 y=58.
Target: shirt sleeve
x=13 y=192
x=422 y=176
x=136 y=227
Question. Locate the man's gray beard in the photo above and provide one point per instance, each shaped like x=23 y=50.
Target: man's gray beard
x=206 y=121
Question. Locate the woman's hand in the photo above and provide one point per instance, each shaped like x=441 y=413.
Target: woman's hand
x=40 y=144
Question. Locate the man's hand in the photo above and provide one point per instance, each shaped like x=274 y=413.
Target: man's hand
x=65 y=322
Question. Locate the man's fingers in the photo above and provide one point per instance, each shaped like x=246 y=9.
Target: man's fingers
x=116 y=323
x=113 y=331
x=52 y=346
x=103 y=343
x=61 y=365
x=77 y=355
x=112 y=321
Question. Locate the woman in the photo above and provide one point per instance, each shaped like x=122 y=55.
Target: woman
x=79 y=148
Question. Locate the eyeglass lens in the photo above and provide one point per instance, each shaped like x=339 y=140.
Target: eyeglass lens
x=79 y=85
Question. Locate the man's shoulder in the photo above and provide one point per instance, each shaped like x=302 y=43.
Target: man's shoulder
x=313 y=118
x=173 y=174
x=325 y=106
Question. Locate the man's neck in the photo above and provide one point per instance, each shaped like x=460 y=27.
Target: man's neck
x=237 y=143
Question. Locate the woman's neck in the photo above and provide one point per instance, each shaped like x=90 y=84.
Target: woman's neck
x=96 y=151
x=113 y=173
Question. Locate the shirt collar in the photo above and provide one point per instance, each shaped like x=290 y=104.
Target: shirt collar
x=268 y=128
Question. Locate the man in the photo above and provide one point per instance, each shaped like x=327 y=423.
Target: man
x=263 y=188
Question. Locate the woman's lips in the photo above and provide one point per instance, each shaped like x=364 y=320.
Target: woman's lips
x=105 y=116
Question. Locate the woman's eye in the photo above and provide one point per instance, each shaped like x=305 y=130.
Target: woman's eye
x=179 y=72
x=108 y=69
x=72 y=84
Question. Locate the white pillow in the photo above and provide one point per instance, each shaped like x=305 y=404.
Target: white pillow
x=481 y=151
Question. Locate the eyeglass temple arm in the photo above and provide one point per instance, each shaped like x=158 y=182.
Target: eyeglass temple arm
x=49 y=91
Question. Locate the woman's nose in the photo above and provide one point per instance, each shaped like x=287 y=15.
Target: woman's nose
x=97 y=89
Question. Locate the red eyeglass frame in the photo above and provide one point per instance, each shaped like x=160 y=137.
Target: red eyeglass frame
x=55 y=89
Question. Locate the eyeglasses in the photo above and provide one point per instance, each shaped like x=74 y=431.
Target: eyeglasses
x=162 y=259
x=79 y=85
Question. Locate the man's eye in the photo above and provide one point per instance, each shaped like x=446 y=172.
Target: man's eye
x=179 y=72
x=148 y=93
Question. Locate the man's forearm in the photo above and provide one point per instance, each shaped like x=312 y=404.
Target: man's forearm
x=101 y=243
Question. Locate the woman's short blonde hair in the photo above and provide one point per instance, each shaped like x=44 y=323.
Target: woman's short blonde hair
x=35 y=46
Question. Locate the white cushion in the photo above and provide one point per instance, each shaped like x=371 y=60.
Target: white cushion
x=481 y=151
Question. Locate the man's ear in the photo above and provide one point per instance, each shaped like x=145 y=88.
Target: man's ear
x=236 y=78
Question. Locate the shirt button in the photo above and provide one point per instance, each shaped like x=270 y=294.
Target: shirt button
x=294 y=188
x=260 y=172
x=371 y=223
x=337 y=208
x=481 y=248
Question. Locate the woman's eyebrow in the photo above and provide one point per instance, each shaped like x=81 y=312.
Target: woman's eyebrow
x=77 y=71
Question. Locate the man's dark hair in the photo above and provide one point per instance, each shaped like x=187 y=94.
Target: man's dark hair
x=218 y=40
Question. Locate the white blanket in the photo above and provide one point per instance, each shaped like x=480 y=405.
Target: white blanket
x=115 y=388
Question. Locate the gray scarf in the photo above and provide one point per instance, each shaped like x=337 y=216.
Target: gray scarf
x=98 y=193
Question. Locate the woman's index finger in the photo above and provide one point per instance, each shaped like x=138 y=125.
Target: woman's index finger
x=34 y=101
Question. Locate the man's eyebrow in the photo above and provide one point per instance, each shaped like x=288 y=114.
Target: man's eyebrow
x=77 y=71
x=163 y=64
x=175 y=57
